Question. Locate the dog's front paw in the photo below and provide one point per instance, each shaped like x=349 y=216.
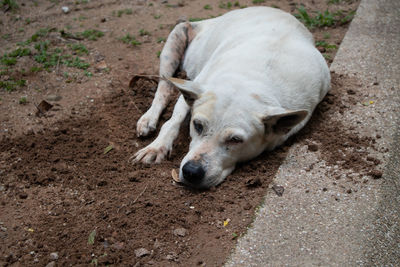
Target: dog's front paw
x=153 y=153
x=146 y=124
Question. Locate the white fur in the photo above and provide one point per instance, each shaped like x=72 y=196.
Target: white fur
x=245 y=67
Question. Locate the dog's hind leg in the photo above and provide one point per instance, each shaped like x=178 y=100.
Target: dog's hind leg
x=170 y=59
x=162 y=145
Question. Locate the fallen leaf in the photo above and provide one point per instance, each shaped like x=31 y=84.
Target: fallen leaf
x=226 y=222
x=175 y=176
x=108 y=149
x=92 y=237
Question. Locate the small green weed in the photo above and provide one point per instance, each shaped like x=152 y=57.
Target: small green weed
x=157 y=16
x=258 y=1
x=227 y=5
x=11 y=85
x=36 y=69
x=161 y=40
x=8 y=61
x=92 y=35
x=326 y=45
x=327 y=35
x=143 y=32
x=130 y=39
x=79 y=49
x=158 y=54
x=319 y=20
x=207 y=7
x=6 y=36
x=23 y=100
x=88 y=73
x=196 y=19
x=120 y=12
x=9 y=4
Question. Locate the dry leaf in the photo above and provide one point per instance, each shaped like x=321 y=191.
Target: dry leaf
x=175 y=175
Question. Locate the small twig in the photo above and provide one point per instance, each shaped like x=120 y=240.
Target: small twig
x=58 y=64
x=141 y=193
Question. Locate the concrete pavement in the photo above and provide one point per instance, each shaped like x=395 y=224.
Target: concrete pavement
x=363 y=228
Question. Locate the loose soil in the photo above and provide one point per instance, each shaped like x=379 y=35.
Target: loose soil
x=66 y=184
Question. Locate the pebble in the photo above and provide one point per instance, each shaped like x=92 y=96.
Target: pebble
x=51 y=264
x=54 y=256
x=65 y=9
x=53 y=98
x=180 y=232
x=141 y=252
x=313 y=147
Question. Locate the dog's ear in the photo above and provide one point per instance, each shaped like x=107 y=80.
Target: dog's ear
x=283 y=122
x=188 y=89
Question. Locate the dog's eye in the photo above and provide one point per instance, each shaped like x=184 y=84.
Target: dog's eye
x=198 y=127
x=234 y=140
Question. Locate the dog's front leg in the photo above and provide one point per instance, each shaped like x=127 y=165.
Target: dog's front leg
x=170 y=58
x=162 y=146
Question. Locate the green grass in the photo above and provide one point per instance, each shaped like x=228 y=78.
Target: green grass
x=11 y=85
x=258 y=1
x=11 y=4
x=120 y=12
x=158 y=54
x=161 y=40
x=79 y=49
x=91 y=34
x=227 y=5
x=319 y=20
x=207 y=7
x=157 y=16
x=143 y=32
x=130 y=39
x=196 y=19
x=327 y=35
x=23 y=100
x=326 y=45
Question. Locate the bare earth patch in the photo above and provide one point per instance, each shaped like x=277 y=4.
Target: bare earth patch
x=68 y=193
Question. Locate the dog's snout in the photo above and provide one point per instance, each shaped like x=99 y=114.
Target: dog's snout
x=193 y=172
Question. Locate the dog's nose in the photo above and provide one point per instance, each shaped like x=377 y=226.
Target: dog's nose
x=193 y=172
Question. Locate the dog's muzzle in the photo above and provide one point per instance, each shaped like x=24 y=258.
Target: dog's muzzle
x=193 y=172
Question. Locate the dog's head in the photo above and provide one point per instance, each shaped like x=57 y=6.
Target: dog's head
x=226 y=130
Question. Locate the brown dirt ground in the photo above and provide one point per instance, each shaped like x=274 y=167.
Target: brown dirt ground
x=57 y=185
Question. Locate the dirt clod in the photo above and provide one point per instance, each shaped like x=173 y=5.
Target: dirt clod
x=313 y=147
x=376 y=174
x=278 y=189
x=141 y=252
x=180 y=232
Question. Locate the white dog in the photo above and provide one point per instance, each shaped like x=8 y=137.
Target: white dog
x=255 y=79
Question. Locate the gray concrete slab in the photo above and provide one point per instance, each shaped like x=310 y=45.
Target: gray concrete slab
x=363 y=228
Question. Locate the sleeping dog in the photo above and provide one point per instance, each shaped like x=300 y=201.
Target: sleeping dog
x=255 y=78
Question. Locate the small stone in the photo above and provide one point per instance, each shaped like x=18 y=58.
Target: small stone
x=54 y=256
x=278 y=190
x=253 y=182
x=172 y=256
x=102 y=65
x=351 y=92
x=118 y=245
x=180 y=232
x=313 y=147
x=376 y=174
x=65 y=9
x=53 y=98
x=141 y=252
x=51 y=264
